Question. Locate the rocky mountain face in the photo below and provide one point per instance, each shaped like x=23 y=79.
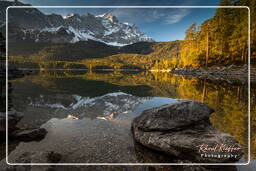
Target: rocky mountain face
x=32 y=24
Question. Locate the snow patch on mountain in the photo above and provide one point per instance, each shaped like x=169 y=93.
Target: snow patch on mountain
x=104 y=28
x=51 y=29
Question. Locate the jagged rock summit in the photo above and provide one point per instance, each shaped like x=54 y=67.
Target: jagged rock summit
x=32 y=24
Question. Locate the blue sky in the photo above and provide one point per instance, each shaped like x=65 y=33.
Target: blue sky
x=160 y=24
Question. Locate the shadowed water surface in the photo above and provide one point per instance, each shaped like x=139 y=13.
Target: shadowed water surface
x=89 y=114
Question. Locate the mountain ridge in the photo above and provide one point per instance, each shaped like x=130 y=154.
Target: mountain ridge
x=32 y=24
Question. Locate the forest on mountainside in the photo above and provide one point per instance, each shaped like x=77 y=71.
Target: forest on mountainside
x=223 y=39
x=220 y=40
x=90 y=54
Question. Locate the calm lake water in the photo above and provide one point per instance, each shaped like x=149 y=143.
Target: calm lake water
x=92 y=112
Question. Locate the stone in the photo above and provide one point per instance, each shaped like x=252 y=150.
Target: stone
x=183 y=130
x=16 y=133
x=53 y=157
x=172 y=116
x=13 y=118
x=33 y=157
x=29 y=134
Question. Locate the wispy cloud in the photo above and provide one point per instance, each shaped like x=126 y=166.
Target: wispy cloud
x=166 y=15
x=175 y=18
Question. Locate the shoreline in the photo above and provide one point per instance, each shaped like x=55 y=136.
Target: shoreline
x=231 y=73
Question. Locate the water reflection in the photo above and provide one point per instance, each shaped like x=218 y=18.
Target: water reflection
x=228 y=100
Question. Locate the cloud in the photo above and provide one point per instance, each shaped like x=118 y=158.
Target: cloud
x=149 y=15
x=175 y=18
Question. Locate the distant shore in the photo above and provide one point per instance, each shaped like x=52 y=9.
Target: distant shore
x=231 y=73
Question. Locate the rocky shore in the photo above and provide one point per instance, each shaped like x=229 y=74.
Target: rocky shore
x=15 y=133
x=183 y=130
x=166 y=134
x=232 y=73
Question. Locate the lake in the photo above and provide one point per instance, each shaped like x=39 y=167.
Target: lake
x=88 y=114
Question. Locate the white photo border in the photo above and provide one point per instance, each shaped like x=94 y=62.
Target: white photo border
x=132 y=164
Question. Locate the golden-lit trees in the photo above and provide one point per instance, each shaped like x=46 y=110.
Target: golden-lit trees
x=188 y=52
x=223 y=39
x=220 y=40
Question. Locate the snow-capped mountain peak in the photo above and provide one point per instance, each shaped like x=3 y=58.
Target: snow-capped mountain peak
x=126 y=23
x=68 y=16
x=105 y=28
x=109 y=17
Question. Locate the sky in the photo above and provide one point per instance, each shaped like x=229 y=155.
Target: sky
x=161 y=24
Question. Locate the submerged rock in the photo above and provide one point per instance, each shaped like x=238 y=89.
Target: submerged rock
x=15 y=133
x=33 y=157
x=183 y=130
x=29 y=134
x=13 y=118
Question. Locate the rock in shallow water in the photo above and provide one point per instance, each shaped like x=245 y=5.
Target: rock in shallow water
x=33 y=157
x=183 y=130
x=36 y=134
x=15 y=133
x=13 y=118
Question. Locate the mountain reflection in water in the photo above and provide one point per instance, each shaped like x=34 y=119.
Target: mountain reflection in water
x=120 y=96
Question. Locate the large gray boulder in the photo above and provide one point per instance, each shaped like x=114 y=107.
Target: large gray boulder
x=173 y=116
x=183 y=130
